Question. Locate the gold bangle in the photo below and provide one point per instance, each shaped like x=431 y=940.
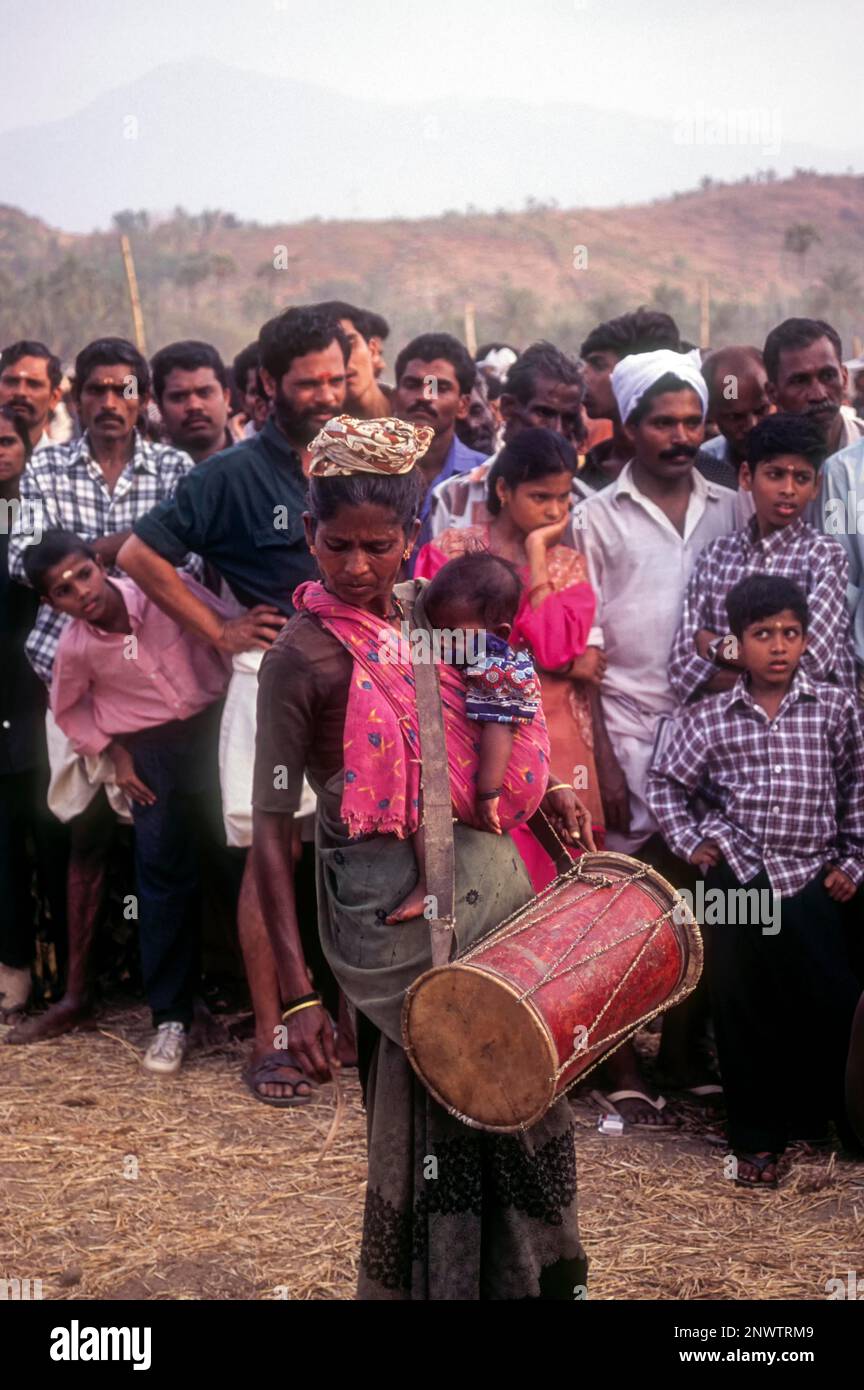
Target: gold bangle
x=561 y=787
x=310 y=1004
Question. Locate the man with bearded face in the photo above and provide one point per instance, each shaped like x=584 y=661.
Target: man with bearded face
x=243 y=510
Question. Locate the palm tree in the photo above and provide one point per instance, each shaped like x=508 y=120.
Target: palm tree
x=798 y=239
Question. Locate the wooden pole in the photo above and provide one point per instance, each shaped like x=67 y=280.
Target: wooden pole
x=470 y=329
x=134 y=297
x=705 y=315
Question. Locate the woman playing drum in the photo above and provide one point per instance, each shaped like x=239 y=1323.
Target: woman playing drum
x=451 y=1212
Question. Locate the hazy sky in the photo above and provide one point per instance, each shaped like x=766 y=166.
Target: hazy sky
x=653 y=59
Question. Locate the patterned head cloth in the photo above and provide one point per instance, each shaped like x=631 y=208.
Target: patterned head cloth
x=633 y=375
x=346 y=445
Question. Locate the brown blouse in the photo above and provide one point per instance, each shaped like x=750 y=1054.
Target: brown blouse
x=303 y=688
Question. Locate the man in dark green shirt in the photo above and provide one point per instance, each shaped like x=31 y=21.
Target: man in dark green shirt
x=242 y=511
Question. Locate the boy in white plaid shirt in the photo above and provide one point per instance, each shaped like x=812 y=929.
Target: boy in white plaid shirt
x=779 y=760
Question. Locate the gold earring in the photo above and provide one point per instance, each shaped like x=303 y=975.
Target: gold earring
x=406 y=552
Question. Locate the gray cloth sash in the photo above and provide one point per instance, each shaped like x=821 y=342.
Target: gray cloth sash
x=360 y=881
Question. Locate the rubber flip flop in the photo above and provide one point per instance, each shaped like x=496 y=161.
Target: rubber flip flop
x=263 y=1073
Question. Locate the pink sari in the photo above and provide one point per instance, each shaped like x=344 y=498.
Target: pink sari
x=555 y=632
x=382 y=739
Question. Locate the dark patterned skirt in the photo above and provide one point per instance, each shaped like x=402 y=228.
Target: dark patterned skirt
x=452 y=1212
x=456 y=1213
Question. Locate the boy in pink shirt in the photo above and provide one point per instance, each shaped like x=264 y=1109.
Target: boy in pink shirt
x=128 y=681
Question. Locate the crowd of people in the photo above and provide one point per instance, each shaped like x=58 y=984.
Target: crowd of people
x=661 y=549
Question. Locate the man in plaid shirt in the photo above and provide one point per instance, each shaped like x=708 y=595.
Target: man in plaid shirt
x=779 y=760
x=98 y=485
x=781 y=474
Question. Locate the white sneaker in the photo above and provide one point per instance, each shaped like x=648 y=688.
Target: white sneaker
x=165 y=1053
x=14 y=989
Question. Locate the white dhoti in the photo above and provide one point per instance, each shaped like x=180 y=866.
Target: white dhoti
x=76 y=780
x=237 y=751
x=632 y=729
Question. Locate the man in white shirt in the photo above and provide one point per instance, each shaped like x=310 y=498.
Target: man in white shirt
x=30 y=384
x=641 y=536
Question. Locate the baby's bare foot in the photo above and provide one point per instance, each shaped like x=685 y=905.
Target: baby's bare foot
x=412 y=906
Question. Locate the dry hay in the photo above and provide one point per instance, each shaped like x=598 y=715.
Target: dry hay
x=232 y=1199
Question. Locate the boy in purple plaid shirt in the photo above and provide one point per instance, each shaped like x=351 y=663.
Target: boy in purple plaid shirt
x=781 y=473
x=778 y=763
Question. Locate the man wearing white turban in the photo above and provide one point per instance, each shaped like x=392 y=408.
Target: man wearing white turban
x=636 y=374
x=641 y=536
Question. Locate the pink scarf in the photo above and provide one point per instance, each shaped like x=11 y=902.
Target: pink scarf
x=382 y=739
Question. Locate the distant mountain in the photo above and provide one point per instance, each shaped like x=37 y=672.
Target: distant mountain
x=202 y=134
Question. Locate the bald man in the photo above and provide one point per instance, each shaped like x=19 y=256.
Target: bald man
x=737 y=400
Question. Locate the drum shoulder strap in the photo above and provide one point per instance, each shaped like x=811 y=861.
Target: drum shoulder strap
x=550 y=840
x=434 y=783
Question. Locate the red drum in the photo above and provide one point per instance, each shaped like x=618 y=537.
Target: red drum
x=503 y=1031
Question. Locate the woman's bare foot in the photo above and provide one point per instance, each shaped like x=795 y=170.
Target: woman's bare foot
x=412 y=906
x=61 y=1018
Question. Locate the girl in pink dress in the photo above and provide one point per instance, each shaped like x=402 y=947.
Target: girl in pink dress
x=530 y=498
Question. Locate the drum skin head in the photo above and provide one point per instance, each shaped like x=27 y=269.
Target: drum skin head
x=482 y=1053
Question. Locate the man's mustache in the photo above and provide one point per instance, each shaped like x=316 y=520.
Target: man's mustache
x=109 y=415
x=19 y=406
x=688 y=451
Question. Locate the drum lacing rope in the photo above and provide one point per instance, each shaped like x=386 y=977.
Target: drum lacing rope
x=630 y=1028
x=518 y=921
x=552 y=971
x=513 y=927
x=652 y=928
x=597 y=882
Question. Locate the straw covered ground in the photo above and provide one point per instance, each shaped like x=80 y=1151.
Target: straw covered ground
x=120 y=1186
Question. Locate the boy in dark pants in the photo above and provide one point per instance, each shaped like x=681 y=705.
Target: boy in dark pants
x=130 y=683
x=779 y=759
